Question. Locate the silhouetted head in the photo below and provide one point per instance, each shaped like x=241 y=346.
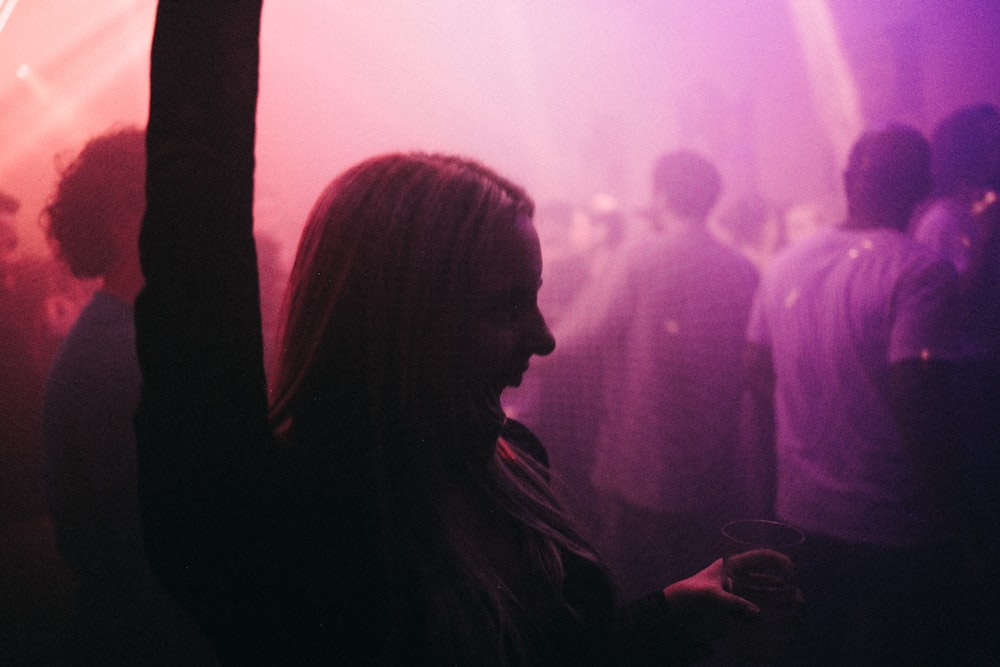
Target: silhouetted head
x=95 y=214
x=687 y=184
x=411 y=305
x=966 y=150
x=888 y=172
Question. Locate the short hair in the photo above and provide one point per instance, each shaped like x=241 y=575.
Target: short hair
x=689 y=183
x=966 y=149
x=888 y=172
x=100 y=192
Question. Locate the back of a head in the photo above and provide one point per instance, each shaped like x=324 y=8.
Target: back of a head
x=687 y=183
x=888 y=172
x=99 y=202
x=966 y=149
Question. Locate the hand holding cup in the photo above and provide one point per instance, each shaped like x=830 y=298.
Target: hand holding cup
x=759 y=566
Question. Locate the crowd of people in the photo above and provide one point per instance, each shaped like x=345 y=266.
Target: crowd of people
x=843 y=381
x=375 y=476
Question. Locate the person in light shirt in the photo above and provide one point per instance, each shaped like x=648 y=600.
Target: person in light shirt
x=852 y=343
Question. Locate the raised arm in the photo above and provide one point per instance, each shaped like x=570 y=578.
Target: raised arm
x=197 y=245
x=201 y=425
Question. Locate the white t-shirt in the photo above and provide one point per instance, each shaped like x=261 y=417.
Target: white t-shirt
x=836 y=310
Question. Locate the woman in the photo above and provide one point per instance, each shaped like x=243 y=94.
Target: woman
x=385 y=511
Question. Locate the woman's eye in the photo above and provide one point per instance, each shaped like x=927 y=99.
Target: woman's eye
x=511 y=306
x=507 y=309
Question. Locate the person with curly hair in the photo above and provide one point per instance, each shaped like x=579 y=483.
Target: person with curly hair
x=123 y=616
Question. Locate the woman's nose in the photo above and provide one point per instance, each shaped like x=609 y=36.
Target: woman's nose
x=542 y=340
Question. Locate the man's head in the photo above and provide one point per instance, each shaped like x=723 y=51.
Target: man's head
x=95 y=213
x=686 y=184
x=887 y=173
x=966 y=147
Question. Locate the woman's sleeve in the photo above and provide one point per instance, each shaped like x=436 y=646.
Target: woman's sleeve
x=202 y=420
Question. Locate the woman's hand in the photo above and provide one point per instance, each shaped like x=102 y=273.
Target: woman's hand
x=704 y=608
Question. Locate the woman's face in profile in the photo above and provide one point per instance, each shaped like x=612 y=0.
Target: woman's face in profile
x=507 y=328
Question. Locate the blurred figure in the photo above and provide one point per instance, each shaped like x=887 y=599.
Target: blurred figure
x=561 y=399
x=961 y=222
x=27 y=343
x=805 y=219
x=609 y=228
x=754 y=226
x=580 y=244
x=566 y=267
x=122 y=615
x=9 y=206
x=20 y=380
x=671 y=346
x=966 y=169
x=852 y=342
x=35 y=587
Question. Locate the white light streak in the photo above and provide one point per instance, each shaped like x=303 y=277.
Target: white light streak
x=833 y=84
x=6 y=9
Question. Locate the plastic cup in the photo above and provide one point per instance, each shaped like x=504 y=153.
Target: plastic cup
x=759 y=565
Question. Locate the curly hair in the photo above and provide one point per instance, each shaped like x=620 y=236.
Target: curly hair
x=99 y=192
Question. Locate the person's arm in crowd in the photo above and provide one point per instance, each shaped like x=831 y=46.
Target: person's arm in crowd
x=202 y=421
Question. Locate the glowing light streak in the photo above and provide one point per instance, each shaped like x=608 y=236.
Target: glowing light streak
x=34 y=83
x=60 y=95
x=6 y=9
x=792 y=297
x=833 y=85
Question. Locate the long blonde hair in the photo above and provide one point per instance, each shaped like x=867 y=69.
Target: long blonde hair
x=366 y=377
